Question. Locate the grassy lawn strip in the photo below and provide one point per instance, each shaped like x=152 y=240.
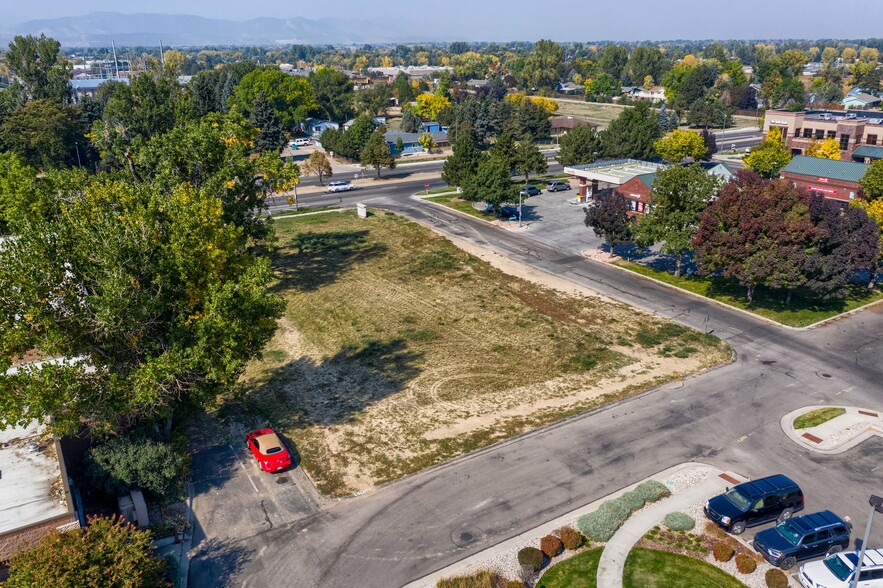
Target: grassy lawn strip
x=648 y=568
x=453 y=201
x=817 y=417
x=580 y=571
x=305 y=210
x=397 y=351
x=770 y=304
x=442 y=190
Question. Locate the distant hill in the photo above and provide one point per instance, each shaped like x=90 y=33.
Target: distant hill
x=98 y=29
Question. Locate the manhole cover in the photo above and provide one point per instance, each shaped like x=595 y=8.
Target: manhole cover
x=466 y=537
x=281 y=480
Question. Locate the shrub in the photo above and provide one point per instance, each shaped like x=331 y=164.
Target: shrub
x=651 y=491
x=531 y=558
x=632 y=500
x=678 y=521
x=109 y=548
x=551 y=545
x=714 y=531
x=480 y=579
x=776 y=579
x=570 y=538
x=723 y=551
x=745 y=563
x=136 y=462
x=603 y=523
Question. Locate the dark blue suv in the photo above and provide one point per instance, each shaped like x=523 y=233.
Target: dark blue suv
x=754 y=503
x=812 y=535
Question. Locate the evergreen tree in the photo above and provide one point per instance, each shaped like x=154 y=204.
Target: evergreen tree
x=491 y=183
x=663 y=118
x=263 y=117
x=580 y=145
x=529 y=160
x=463 y=163
x=631 y=135
x=710 y=144
x=410 y=123
x=376 y=153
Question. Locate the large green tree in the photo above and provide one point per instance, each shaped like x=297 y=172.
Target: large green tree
x=677 y=199
x=40 y=67
x=110 y=553
x=679 y=145
x=768 y=158
x=580 y=145
x=491 y=182
x=292 y=97
x=529 y=160
x=150 y=295
x=462 y=164
x=44 y=134
x=334 y=93
x=872 y=181
x=544 y=65
x=632 y=134
x=376 y=153
x=269 y=129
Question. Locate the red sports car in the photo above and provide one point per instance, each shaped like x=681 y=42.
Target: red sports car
x=267 y=448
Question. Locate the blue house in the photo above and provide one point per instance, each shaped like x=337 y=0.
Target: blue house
x=411 y=141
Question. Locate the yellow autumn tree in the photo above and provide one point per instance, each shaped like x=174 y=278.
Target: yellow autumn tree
x=827 y=149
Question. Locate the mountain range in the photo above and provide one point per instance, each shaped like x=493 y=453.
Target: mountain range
x=98 y=29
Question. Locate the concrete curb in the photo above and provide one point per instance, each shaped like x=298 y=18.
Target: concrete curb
x=740 y=310
x=461 y=566
x=874 y=427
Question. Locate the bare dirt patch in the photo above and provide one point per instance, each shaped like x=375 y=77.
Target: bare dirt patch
x=399 y=350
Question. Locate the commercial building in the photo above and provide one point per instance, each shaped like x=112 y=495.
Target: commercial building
x=852 y=128
x=593 y=178
x=835 y=180
x=35 y=496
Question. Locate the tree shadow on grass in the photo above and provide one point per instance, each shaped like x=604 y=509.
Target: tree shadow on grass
x=337 y=389
x=313 y=260
x=217 y=561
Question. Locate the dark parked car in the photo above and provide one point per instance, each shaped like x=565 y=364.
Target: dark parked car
x=556 y=186
x=754 y=503
x=812 y=535
x=509 y=211
x=531 y=190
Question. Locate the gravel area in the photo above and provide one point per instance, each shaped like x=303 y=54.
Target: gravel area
x=506 y=564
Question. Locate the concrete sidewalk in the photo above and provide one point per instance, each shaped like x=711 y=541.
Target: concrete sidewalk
x=837 y=435
x=616 y=551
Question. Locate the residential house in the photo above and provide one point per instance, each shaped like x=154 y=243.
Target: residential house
x=316 y=126
x=833 y=179
x=562 y=124
x=654 y=94
x=569 y=88
x=411 y=141
x=860 y=100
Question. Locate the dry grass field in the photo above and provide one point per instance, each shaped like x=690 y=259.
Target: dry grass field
x=602 y=114
x=398 y=350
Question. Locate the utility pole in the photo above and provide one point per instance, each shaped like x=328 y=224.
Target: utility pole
x=115 y=63
x=876 y=503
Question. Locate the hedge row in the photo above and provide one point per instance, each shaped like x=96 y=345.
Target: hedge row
x=610 y=516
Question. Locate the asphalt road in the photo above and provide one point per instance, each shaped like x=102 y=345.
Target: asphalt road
x=728 y=417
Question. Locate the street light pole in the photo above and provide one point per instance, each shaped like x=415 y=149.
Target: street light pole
x=519 y=209
x=876 y=503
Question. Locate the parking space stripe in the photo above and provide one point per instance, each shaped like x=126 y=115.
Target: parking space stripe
x=243 y=469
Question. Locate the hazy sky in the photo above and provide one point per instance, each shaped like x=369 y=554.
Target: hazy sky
x=582 y=20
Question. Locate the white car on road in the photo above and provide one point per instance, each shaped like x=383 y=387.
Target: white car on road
x=340 y=187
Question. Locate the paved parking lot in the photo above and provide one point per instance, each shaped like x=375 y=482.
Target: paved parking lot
x=235 y=500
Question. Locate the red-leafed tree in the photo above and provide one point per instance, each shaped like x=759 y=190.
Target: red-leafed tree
x=756 y=232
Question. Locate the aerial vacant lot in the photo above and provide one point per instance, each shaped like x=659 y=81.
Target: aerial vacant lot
x=602 y=114
x=398 y=350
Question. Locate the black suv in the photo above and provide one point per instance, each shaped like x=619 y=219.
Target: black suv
x=820 y=533
x=754 y=503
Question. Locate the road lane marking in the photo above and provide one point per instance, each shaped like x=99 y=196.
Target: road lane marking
x=236 y=455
